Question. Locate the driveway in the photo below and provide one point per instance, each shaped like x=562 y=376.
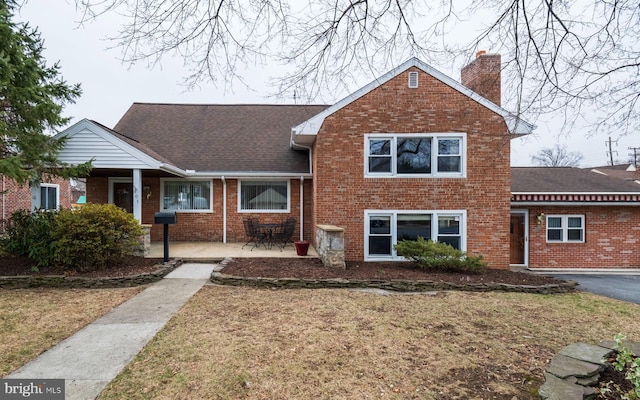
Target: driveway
x=621 y=287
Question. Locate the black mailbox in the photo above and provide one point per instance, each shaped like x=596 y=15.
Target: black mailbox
x=166 y=218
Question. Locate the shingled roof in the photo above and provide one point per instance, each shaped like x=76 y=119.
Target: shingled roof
x=567 y=180
x=220 y=138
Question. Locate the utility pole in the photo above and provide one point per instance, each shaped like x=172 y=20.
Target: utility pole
x=610 y=151
x=635 y=155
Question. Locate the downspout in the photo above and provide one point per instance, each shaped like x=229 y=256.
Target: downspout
x=293 y=144
x=301 y=207
x=224 y=209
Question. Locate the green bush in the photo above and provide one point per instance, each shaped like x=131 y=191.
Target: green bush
x=29 y=235
x=94 y=236
x=439 y=256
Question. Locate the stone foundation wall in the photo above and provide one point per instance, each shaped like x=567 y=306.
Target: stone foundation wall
x=145 y=242
x=330 y=245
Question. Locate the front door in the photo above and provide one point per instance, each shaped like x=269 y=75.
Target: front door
x=518 y=239
x=123 y=195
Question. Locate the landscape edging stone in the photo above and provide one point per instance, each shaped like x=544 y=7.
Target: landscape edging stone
x=79 y=282
x=562 y=384
x=396 y=285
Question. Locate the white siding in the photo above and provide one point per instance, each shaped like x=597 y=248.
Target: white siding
x=85 y=145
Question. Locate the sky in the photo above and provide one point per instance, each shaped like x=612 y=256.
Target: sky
x=110 y=87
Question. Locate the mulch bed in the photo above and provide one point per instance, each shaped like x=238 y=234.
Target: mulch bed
x=303 y=268
x=128 y=266
x=311 y=268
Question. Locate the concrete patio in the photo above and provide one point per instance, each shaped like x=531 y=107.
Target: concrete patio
x=218 y=251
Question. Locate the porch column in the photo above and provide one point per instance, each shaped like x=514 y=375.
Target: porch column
x=137 y=194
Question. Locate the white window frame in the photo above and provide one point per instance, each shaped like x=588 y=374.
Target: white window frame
x=564 y=228
x=435 y=138
x=50 y=186
x=257 y=211
x=162 y=183
x=462 y=214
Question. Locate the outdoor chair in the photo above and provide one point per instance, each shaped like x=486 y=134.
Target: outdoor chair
x=255 y=235
x=281 y=235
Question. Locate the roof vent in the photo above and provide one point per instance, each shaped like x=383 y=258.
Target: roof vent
x=413 y=80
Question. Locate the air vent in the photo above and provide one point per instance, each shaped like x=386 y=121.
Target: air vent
x=413 y=80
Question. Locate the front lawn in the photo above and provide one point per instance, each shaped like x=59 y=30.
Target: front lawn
x=231 y=343
x=34 y=320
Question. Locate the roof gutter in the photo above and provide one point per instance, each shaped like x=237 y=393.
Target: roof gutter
x=241 y=175
x=173 y=170
x=297 y=146
x=577 y=193
x=575 y=203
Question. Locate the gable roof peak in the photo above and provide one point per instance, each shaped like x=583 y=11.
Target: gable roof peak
x=304 y=133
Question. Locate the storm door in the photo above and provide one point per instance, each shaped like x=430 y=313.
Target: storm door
x=121 y=193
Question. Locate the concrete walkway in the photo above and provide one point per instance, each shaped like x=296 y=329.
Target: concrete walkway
x=96 y=354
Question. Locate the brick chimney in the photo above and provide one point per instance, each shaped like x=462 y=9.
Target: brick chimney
x=482 y=76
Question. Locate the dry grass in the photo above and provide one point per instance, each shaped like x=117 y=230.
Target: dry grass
x=230 y=343
x=34 y=320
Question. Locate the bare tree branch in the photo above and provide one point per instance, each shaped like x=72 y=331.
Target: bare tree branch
x=580 y=60
x=557 y=156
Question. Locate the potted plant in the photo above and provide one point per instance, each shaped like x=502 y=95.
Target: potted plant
x=302 y=246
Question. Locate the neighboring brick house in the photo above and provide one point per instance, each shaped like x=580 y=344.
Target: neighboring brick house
x=51 y=194
x=574 y=218
x=414 y=153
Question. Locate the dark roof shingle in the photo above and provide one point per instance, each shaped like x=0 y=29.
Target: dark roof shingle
x=566 y=180
x=220 y=138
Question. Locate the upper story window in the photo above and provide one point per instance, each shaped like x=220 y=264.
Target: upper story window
x=49 y=196
x=565 y=228
x=415 y=155
x=187 y=195
x=263 y=196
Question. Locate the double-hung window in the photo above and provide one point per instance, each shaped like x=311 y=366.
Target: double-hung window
x=415 y=155
x=187 y=195
x=264 y=196
x=565 y=228
x=49 y=196
x=384 y=229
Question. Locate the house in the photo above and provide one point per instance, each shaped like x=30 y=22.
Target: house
x=573 y=218
x=53 y=193
x=413 y=153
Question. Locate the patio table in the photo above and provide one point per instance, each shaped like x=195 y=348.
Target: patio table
x=268 y=229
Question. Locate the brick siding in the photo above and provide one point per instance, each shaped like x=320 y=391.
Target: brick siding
x=612 y=239
x=483 y=76
x=208 y=226
x=341 y=192
x=18 y=197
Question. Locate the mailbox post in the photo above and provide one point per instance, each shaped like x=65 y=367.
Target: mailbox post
x=166 y=218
